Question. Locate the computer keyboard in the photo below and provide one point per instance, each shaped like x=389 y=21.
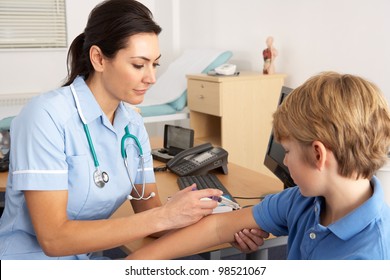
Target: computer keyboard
x=203 y=182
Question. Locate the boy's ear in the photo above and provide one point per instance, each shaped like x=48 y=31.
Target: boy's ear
x=96 y=57
x=320 y=154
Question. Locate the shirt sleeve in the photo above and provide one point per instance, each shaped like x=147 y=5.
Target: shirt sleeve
x=272 y=214
x=38 y=158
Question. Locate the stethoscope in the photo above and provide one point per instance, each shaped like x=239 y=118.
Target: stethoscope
x=101 y=178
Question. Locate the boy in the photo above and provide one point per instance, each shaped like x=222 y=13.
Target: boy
x=335 y=130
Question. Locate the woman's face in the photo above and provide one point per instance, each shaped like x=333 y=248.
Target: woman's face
x=132 y=71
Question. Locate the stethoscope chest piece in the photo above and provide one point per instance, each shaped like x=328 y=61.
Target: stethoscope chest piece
x=100 y=178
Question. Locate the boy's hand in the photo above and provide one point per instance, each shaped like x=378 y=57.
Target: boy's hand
x=248 y=240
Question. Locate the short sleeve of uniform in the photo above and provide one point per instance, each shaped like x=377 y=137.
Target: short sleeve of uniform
x=38 y=158
x=274 y=213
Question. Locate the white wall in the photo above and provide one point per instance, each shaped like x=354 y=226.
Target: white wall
x=310 y=35
x=35 y=71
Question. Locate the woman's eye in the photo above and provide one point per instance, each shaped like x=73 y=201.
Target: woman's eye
x=138 y=66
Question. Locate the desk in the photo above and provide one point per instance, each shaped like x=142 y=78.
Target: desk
x=3 y=181
x=239 y=181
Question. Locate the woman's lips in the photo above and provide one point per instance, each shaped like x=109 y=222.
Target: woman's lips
x=140 y=91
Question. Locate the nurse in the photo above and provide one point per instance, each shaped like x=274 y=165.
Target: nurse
x=67 y=174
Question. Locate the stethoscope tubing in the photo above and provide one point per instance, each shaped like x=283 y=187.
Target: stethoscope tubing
x=123 y=142
x=85 y=126
x=91 y=146
x=101 y=177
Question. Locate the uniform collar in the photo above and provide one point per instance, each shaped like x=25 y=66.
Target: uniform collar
x=88 y=104
x=92 y=110
x=125 y=116
x=361 y=217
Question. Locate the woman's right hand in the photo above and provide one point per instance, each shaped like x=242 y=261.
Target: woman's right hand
x=188 y=206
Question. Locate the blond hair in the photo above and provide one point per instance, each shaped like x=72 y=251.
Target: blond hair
x=348 y=114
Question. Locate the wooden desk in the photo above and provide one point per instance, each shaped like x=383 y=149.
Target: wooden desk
x=239 y=181
x=3 y=181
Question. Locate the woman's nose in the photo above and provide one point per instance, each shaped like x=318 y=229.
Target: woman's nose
x=150 y=76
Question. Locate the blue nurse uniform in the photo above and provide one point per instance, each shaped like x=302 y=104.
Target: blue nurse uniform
x=50 y=152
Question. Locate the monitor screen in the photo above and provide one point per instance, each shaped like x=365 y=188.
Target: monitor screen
x=275 y=153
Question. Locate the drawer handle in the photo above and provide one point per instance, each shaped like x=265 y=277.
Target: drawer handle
x=201 y=96
x=202 y=86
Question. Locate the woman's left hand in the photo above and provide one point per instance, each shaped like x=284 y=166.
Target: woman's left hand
x=248 y=240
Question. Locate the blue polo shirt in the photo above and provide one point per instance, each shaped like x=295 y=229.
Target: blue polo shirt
x=362 y=234
x=50 y=151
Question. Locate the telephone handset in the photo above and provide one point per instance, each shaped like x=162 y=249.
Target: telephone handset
x=199 y=160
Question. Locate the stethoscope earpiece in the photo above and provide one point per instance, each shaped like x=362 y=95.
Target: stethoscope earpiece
x=130 y=197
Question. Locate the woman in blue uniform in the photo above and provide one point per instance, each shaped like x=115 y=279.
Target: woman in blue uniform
x=78 y=152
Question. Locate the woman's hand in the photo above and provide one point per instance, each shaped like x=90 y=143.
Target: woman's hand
x=187 y=207
x=248 y=240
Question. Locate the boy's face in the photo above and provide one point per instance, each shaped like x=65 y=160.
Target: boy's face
x=304 y=174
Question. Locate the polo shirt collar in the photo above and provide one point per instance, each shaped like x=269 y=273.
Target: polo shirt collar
x=361 y=217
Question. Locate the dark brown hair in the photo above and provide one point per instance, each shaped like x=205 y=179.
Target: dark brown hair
x=109 y=26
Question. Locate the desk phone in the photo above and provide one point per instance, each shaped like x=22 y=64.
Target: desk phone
x=199 y=160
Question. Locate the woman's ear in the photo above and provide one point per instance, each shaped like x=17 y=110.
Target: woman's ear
x=320 y=154
x=97 y=58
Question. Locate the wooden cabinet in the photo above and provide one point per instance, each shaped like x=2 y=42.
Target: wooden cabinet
x=235 y=112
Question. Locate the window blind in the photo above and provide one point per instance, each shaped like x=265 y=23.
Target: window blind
x=32 y=24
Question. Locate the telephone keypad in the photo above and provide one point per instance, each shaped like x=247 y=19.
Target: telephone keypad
x=185 y=167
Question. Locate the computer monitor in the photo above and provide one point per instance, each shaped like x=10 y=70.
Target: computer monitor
x=275 y=153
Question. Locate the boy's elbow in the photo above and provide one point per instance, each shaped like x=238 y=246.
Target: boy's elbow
x=51 y=246
x=49 y=249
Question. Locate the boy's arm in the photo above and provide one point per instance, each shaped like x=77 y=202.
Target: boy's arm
x=210 y=231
